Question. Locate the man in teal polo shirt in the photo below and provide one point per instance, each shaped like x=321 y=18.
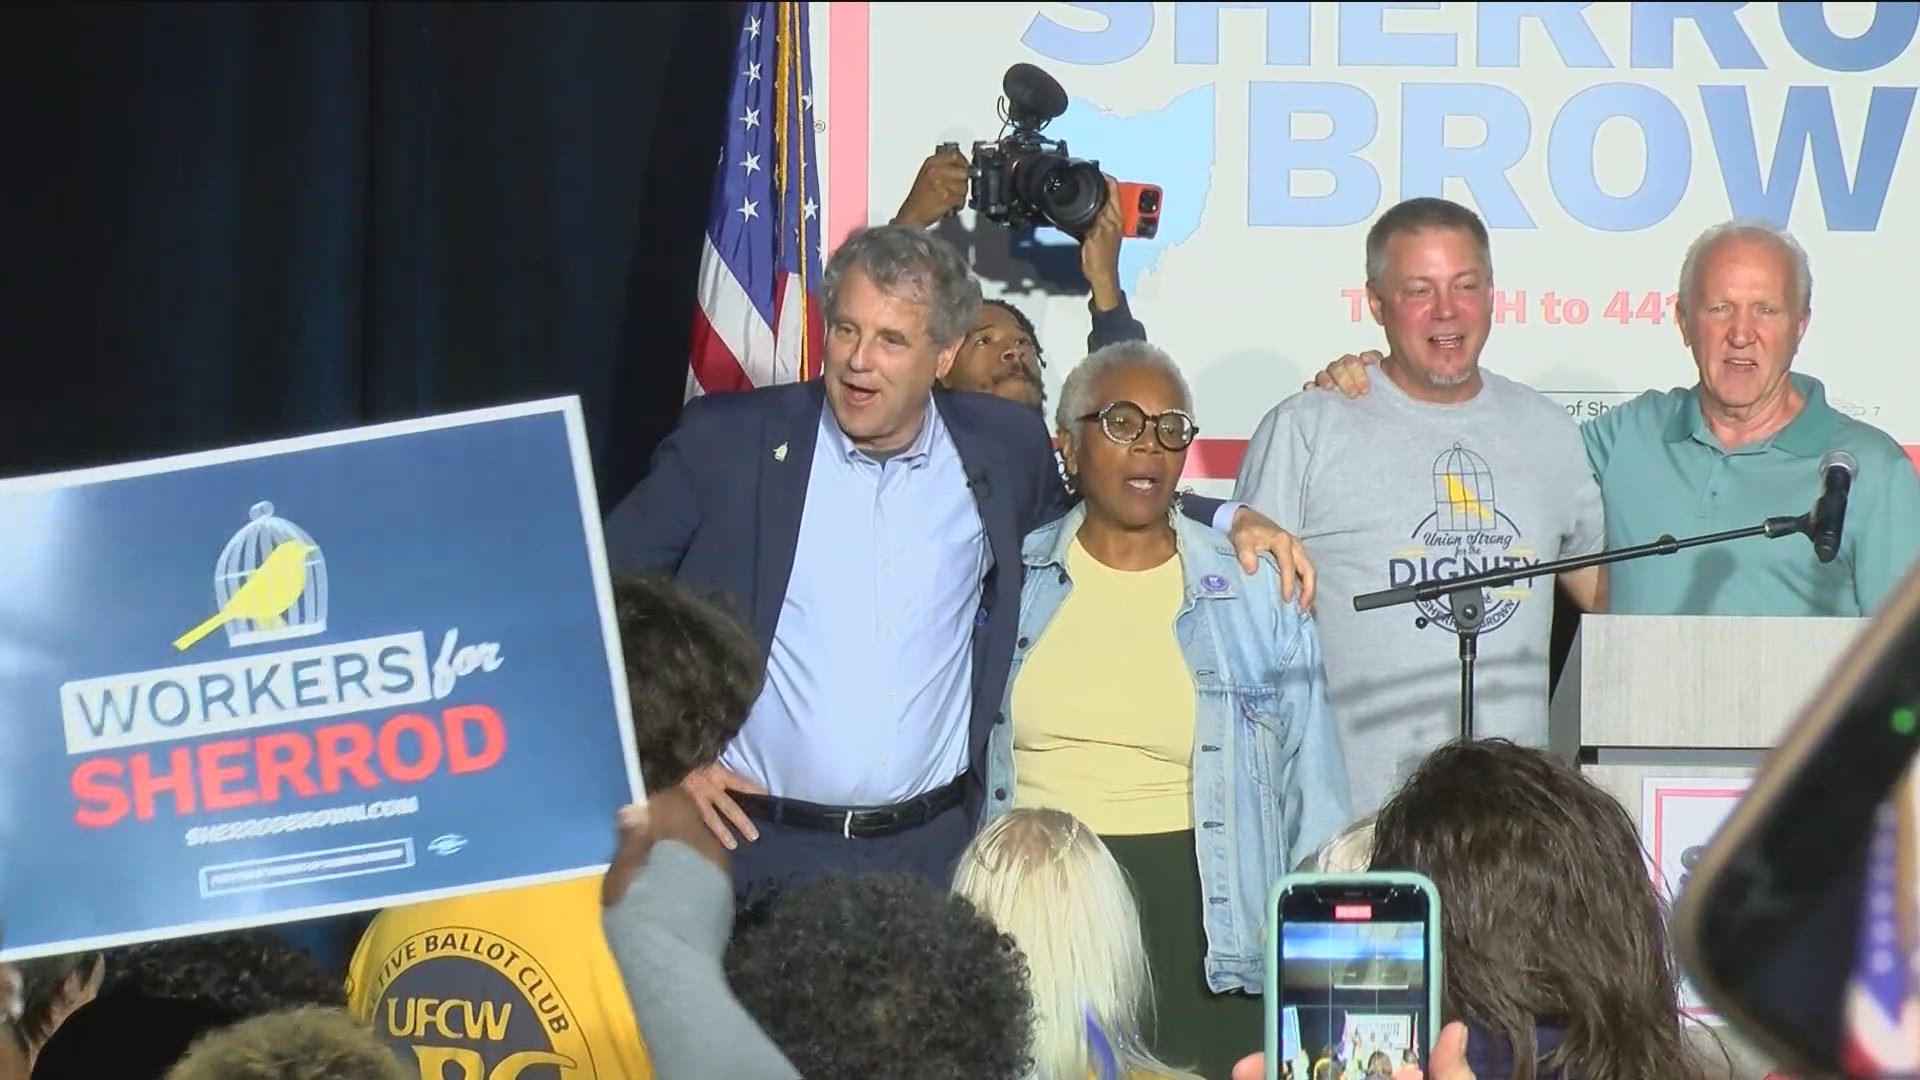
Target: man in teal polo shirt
x=1741 y=445
x=1745 y=444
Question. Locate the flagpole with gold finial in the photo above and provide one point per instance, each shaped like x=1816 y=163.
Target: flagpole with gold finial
x=786 y=90
x=793 y=60
x=800 y=151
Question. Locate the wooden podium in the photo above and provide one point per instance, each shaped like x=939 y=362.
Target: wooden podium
x=1688 y=695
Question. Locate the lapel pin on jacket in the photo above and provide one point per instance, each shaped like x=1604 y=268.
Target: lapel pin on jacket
x=780 y=452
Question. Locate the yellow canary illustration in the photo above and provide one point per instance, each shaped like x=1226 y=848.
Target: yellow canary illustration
x=273 y=587
x=1458 y=495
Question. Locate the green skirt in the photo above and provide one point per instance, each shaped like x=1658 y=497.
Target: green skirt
x=1195 y=1028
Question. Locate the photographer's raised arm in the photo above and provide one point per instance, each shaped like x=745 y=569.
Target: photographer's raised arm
x=939 y=188
x=1100 y=261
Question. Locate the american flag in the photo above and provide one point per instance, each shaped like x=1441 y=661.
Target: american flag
x=759 y=318
x=1883 y=1014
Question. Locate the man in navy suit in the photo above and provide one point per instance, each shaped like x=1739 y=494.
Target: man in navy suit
x=868 y=527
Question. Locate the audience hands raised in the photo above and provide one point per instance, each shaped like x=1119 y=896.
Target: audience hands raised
x=1100 y=251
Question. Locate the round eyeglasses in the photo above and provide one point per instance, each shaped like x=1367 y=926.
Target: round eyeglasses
x=1124 y=423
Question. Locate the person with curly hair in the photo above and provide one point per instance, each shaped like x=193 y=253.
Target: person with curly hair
x=156 y=998
x=878 y=976
x=902 y=980
x=308 y=1043
x=692 y=674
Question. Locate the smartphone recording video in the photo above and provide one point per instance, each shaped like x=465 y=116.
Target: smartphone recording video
x=1357 y=991
x=1801 y=924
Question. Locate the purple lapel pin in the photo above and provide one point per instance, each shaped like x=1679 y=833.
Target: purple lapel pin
x=1214 y=583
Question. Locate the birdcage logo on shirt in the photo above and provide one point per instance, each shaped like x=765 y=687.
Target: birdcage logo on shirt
x=1463 y=492
x=270 y=584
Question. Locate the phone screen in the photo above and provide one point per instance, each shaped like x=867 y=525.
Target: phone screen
x=1356 y=990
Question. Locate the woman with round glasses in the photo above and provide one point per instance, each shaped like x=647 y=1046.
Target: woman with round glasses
x=1171 y=703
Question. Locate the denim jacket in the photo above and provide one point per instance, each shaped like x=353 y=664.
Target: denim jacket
x=1269 y=778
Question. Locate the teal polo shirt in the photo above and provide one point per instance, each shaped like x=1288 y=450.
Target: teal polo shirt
x=1661 y=470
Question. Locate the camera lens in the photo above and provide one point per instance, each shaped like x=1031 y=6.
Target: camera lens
x=1064 y=192
x=1071 y=194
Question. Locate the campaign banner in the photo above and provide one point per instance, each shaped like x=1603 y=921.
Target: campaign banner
x=305 y=677
x=1595 y=140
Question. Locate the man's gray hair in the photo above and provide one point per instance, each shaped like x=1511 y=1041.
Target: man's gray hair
x=1801 y=288
x=909 y=264
x=1076 y=394
x=1419 y=215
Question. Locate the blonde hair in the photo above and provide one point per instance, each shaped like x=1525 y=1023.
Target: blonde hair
x=1351 y=852
x=1049 y=882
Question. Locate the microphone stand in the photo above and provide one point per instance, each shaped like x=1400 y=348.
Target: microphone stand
x=1467 y=596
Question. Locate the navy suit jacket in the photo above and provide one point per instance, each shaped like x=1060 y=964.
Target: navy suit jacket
x=720 y=512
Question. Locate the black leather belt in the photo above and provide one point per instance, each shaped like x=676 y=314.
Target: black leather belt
x=862 y=822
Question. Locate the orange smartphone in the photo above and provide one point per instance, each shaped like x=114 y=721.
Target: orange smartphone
x=1139 y=210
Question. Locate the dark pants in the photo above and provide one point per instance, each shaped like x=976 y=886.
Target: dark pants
x=786 y=855
x=1195 y=1028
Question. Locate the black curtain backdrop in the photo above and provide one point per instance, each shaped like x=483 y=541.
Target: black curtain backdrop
x=230 y=222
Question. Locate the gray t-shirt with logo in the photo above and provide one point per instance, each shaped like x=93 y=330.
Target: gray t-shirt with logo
x=1386 y=491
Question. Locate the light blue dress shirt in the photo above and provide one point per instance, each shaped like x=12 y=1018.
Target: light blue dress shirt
x=869 y=684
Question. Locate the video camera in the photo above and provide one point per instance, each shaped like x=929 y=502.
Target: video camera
x=1024 y=179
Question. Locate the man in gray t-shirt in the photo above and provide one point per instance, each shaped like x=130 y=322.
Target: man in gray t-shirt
x=1444 y=470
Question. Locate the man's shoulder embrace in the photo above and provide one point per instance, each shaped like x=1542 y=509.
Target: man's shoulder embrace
x=1017 y=432
x=1210 y=554
x=989 y=409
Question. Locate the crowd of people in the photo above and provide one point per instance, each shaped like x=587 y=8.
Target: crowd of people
x=974 y=744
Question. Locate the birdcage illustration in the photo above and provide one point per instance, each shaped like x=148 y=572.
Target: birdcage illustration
x=264 y=539
x=1462 y=492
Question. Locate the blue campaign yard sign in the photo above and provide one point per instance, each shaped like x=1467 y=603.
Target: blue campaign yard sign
x=305 y=677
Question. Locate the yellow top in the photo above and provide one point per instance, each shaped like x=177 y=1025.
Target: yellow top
x=498 y=983
x=1104 y=707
